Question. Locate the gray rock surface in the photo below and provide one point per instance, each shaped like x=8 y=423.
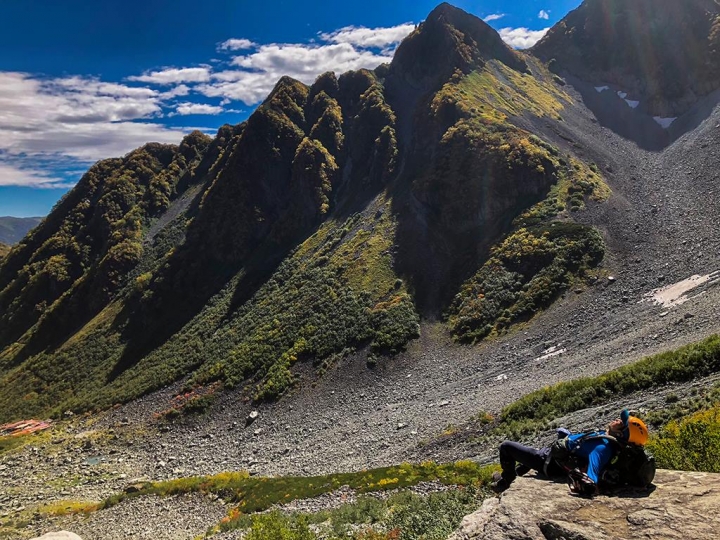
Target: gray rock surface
x=682 y=505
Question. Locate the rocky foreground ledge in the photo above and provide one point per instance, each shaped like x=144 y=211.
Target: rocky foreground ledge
x=682 y=505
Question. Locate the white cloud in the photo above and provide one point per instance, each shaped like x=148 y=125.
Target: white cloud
x=80 y=119
x=174 y=76
x=493 y=17
x=11 y=175
x=178 y=91
x=521 y=38
x=74 y=118
x=369 y=37
x=543 y=15
x=260 y=70
x=197 y=108
x=236 y=44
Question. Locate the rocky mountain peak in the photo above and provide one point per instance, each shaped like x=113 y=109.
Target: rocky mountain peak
x=450 y=39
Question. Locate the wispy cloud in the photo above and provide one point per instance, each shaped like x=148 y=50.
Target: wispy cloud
x=174 y=76
x=543 y=14
x=236 y=44
x=369 y=37
x=252 y=75
x=493 y=17
x=521 y=38
x=11 y=175
x=197 y=108
x=80 y=119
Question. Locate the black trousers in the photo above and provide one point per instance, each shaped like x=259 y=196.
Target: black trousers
x=512 y=453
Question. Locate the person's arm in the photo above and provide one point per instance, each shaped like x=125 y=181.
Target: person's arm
x=598 y=460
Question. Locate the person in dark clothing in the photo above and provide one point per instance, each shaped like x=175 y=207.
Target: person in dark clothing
x=593 y=451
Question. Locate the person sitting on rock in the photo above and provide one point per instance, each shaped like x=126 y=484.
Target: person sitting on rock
x=583 y=456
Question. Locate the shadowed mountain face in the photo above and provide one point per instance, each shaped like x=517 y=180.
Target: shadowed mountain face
x=330 y=221
x=665 y=53
x=13 y=229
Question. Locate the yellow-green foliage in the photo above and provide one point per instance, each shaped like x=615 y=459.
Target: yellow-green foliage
x=328 y=129
x=94 y=235
x=275 y=526
x=64 y=508
x=361 y=251
x=576 y=182
x=14 y=442
x=691 y=443
x=524 y=274
x=687 y=363
x=315 y=169
x=533 y=264
x=497 y=91
x=256 y=494
x=4 y=250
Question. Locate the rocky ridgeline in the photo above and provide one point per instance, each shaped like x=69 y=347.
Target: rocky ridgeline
x=682 y=505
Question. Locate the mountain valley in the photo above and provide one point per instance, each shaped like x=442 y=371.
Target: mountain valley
x=371 y=264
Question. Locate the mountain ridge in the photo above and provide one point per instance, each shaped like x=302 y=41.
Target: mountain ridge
x=660 y=52
x=12 y=229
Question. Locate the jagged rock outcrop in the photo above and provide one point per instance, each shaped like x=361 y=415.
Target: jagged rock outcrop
x=682 y=505
x=450 y=39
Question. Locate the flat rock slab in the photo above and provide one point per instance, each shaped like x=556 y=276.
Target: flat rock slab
x=682 y=505
x=62 y=535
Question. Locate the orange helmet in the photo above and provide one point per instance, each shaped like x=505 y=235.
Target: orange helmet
x=637 y=431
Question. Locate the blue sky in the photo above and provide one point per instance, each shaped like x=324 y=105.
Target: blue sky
x=83 y=80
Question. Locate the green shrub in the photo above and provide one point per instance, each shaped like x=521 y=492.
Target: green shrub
x=690 y=444
x=276 y=526
x=525 y=274
x=430 y=518
x=690 y=362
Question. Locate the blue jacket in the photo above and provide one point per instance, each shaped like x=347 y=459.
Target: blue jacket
x=597 y=450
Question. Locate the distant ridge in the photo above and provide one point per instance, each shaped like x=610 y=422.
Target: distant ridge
x=664 y=52
x=13 y=229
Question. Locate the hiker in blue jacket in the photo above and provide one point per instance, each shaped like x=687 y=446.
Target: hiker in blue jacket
x=591 y=451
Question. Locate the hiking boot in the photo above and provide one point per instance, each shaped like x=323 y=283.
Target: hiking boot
x=499 y=484
x=522 y=470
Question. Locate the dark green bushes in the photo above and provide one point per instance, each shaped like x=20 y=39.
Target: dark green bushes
x=525 y=273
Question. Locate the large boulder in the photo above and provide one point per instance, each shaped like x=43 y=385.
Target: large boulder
x=682 y=505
